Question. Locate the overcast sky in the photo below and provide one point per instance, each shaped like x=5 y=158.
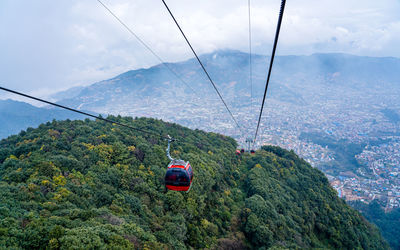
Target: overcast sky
x=48 y=45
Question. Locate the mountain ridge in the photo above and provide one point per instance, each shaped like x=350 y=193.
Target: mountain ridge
x=228 y=66
x=16 y=116
x=92 y=184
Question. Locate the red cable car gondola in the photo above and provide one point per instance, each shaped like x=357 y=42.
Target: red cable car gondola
x=237 y=152
x=179 y=175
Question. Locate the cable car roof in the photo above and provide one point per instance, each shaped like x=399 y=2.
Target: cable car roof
x=178 y=163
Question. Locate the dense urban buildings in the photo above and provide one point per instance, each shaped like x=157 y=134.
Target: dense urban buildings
x=339 y=112
x=353 y=138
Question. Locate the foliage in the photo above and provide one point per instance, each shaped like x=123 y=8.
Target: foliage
x=89 y=185
x=388 y=223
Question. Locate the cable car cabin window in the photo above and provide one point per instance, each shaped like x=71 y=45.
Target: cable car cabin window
x=177 y=177
x=190 y=172
x=171 y=176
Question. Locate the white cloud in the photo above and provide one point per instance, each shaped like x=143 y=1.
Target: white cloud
x=50 y=45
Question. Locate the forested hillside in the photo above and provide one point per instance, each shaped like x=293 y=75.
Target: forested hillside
x=88 y=185
x=388 y=223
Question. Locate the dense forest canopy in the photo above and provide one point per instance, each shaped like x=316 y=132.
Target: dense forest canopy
x=88 y=184
x=388 y=223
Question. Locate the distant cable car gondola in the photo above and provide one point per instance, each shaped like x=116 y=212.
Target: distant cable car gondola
x=242 y=151
x=237 y=152
x=179 y=175
x=252 y=152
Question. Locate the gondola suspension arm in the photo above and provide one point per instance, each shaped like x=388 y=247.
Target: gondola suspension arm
x=168 y=148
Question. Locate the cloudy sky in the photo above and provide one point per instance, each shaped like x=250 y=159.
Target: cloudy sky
x=48 y=45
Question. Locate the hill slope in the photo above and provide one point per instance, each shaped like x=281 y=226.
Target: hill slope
x=388 y=223
x=16 y=116
x=92 y=185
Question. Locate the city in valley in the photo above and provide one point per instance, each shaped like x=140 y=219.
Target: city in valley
x=339 y=112
x=352 y=136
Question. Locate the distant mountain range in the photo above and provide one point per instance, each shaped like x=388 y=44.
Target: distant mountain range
x=16 y=116
x=230 y=71
x=156 y=92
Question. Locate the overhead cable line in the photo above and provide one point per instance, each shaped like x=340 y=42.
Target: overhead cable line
x=278 y=28
x=250 y=61
x=248 y=139
x=87 y=114
x=147 y=47
x=202 y=66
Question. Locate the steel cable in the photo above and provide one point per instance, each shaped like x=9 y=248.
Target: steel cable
x=278 y=28
x=148 y=48
x=84 y=113
x=202 y=66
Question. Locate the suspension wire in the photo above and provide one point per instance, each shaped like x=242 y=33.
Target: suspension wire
x=202 y=66
x=250 y=70
x=148 y=47
x=168 y=148
x=278 y=28
x=250 y=61
x=87 y=114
